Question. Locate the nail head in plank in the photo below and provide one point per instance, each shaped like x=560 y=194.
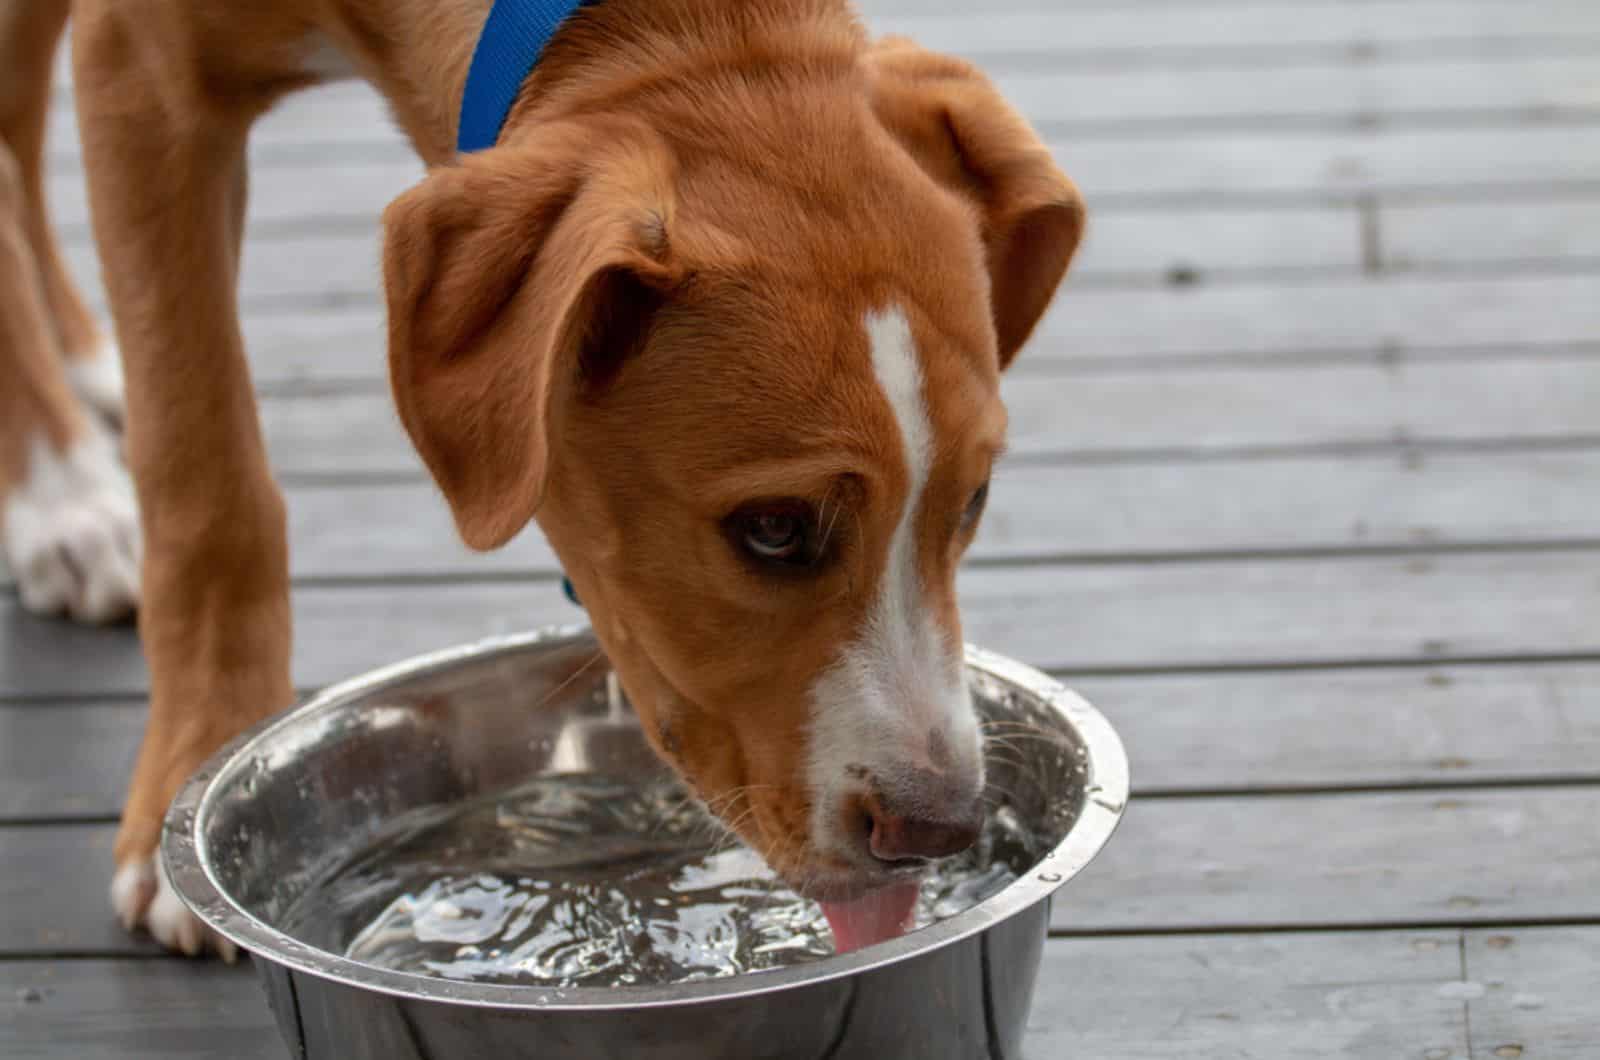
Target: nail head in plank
x=1539 y=998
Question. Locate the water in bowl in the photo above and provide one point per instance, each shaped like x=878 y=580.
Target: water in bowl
x=587 y=880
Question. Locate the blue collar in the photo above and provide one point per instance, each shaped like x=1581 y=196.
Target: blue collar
x=511 y=43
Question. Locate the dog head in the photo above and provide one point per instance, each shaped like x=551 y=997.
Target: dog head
x=741 y=360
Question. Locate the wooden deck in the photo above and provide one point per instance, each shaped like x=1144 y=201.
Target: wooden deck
x=1305 y=494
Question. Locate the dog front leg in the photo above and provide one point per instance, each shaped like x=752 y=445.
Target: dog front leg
x=165 y=154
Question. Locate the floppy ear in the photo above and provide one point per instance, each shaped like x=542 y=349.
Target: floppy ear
x=508 y=277
x=955 y=123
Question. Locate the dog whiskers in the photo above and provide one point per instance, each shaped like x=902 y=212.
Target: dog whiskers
x=569 y=680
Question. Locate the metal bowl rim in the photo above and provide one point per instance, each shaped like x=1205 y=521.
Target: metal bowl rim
x=192 y=874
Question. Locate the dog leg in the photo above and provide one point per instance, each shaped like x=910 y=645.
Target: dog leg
x=29 y=33
x=68 y=529
x=164 y=146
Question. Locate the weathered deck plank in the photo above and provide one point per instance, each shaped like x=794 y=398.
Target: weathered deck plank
x=1359 y=318
x=1088 y=99
x=1316 y=730
x=1355 y=313
x=1560 y=230
x=1204 y=166
x=1409 y=498
x=1351 y=859
x=1143 y=245
x=1061 y=30
x=1190 y=864
x=1265 y=504
x=1378 y=500
x=134 y=1010
x=1377 y=995
x=1106 y=99
x=1091 y=327
x=1236 y=613
x=1126 y=245
x=1355 y=34
x=66 y=760
x=1304 y=996
x=1118 y=415
x=1306 y=611
x=1204 y=170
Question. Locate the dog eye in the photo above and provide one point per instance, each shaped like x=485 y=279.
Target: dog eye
x=974 y=510
x=777 y=534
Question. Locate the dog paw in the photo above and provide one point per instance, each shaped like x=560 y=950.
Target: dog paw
x=142 y=897
x=97 y=379
x=70 y=531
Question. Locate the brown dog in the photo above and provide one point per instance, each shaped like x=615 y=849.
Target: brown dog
x=725 y=310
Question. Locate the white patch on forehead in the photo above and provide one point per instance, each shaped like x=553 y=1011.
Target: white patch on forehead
x=897 y=686
x=894 y=359
x=894 y=624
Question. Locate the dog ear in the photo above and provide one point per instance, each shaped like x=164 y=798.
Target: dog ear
x=510 y=277
x=954 y=122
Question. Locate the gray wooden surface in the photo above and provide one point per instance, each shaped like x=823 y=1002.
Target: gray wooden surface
x=1305 y=492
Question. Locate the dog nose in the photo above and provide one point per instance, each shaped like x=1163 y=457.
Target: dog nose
x=903 y=833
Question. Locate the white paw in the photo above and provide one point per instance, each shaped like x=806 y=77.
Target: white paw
x=142 y=897
x=70 y=531
x=97 y=379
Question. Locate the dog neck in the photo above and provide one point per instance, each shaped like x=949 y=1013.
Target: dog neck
x=607 y=53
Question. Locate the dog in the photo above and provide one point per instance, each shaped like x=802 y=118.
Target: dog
x=723 y=307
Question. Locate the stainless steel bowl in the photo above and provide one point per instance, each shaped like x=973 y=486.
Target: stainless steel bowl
x=259 y=822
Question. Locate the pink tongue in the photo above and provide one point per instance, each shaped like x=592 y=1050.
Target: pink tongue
x=874 y=918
